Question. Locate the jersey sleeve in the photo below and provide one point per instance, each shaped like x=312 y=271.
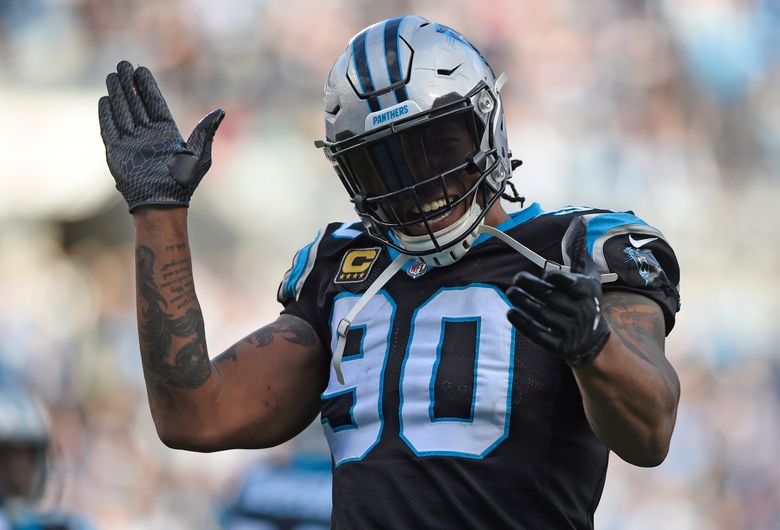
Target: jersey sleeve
x=639 y=254
x=298 y=289
x=305 y=286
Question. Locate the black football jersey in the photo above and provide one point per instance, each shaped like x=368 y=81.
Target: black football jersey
x=449 y=416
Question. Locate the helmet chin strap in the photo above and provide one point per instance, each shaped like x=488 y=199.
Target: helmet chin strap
x=536 y=259
x=400 y=261
x=344 y=323
x=444 y=237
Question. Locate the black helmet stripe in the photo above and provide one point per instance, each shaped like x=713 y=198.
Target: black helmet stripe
x=364 y=74
x=393 y=56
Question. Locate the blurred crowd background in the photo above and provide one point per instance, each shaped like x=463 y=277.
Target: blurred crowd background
x=666 y=108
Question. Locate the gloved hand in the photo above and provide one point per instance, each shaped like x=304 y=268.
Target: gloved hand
x=562 y=310
x=150 y=162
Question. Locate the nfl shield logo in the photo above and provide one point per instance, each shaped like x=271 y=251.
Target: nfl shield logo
x=417 y=269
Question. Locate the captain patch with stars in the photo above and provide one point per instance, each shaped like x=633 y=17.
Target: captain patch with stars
x=356 y=265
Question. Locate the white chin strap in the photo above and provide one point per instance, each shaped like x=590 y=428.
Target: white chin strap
x=445 y=236
x=343 y=327
x=400 y=261
x=536 y=259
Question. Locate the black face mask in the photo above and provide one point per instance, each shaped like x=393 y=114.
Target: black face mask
x=398 y=173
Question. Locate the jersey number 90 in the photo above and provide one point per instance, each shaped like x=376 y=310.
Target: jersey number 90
x=437 y=329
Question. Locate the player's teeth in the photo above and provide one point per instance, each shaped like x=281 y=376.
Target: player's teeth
x=434 y=205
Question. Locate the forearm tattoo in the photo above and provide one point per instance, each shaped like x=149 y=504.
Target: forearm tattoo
x=637 y=322
x=187 y=366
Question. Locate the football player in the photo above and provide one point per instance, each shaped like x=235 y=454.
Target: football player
x=24 y=461
x=470 y=368
x=24 y=441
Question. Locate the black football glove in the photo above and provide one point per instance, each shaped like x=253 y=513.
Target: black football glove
x=150 y=162
x=562 y=310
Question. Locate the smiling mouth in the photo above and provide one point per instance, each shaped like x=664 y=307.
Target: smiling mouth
x=439 y=215
x=431 y=208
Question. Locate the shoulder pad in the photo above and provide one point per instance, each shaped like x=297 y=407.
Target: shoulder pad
x=329 y=241
x=605 y=225
x=572 y=210
x=638 y=253
x=340 y=235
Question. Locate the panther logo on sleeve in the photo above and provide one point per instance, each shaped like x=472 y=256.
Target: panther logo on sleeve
x=647 y=266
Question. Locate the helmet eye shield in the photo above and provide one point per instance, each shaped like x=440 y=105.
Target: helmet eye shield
x=418 y=165
x=402 y=172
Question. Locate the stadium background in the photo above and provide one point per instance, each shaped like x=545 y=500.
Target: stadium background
x=672 y=112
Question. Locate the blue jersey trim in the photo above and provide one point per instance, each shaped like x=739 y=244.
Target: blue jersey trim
x=393 y=253
x=603 y=223
x=567 y=210
x=299 y=265
x=516 y=219
x=345 y=231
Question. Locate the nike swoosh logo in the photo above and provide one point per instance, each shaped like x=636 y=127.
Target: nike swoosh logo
x=638 y=243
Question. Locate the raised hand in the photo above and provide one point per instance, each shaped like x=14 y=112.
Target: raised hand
x=146 y=154
x=562 y=310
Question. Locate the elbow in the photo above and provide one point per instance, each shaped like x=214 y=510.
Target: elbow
x=652 y=454
x=197 y=440
x=651 y=449
x=657 y=437
x=211 y=437
x=657 y=456
x=188 y=444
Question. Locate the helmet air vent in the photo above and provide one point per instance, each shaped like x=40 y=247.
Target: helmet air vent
x=444 y=71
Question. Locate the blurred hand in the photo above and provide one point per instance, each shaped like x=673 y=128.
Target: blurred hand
x=562 y=310
x=150 y=162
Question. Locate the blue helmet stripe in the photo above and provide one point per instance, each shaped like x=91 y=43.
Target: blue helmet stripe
x=393 y=56
x=364 y=74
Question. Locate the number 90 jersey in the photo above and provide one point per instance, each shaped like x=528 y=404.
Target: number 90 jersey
x=449 y=416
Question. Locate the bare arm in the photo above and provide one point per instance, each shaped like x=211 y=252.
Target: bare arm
x=630 y=391
x=260 y=392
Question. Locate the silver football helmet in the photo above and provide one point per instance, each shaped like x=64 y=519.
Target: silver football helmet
x=414 y=128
